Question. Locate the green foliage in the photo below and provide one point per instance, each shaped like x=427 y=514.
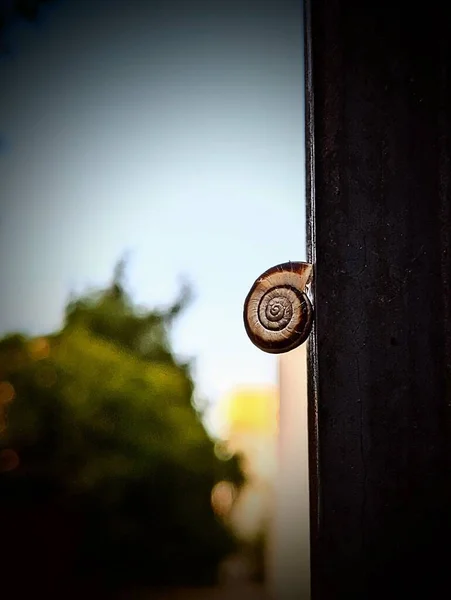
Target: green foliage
x=103 y=419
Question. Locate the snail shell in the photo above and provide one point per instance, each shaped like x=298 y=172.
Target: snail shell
x=278 y=314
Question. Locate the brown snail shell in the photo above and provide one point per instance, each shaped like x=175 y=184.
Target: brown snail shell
x=278 y=314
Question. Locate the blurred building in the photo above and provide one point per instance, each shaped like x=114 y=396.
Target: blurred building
x=249 y=417
x=288 y=558
x=269 y=426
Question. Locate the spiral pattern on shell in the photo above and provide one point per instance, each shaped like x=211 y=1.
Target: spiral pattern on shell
x=278 y=315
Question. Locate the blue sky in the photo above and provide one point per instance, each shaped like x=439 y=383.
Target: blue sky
x=174 y=132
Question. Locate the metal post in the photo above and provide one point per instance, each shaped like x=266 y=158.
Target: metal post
x=378 y=123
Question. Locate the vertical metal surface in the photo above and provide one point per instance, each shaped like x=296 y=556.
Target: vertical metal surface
x=378 y=118
x=312 y=354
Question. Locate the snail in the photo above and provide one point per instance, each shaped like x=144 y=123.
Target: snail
x=278 y=315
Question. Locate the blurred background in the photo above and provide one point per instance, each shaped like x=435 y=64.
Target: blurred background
x=151 y=168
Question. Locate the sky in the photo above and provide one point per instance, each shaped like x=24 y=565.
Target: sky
x=171 y=131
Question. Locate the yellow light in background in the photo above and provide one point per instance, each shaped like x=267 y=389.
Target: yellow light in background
x=251 y=409
x=249 y=417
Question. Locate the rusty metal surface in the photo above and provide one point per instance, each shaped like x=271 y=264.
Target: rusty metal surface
x=378 y=112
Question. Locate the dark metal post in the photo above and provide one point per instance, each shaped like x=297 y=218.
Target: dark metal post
x=379 y=160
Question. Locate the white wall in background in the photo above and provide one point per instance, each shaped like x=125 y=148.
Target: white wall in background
x=289 y=549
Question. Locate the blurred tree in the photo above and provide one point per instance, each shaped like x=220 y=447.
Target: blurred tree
x=102 y=420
